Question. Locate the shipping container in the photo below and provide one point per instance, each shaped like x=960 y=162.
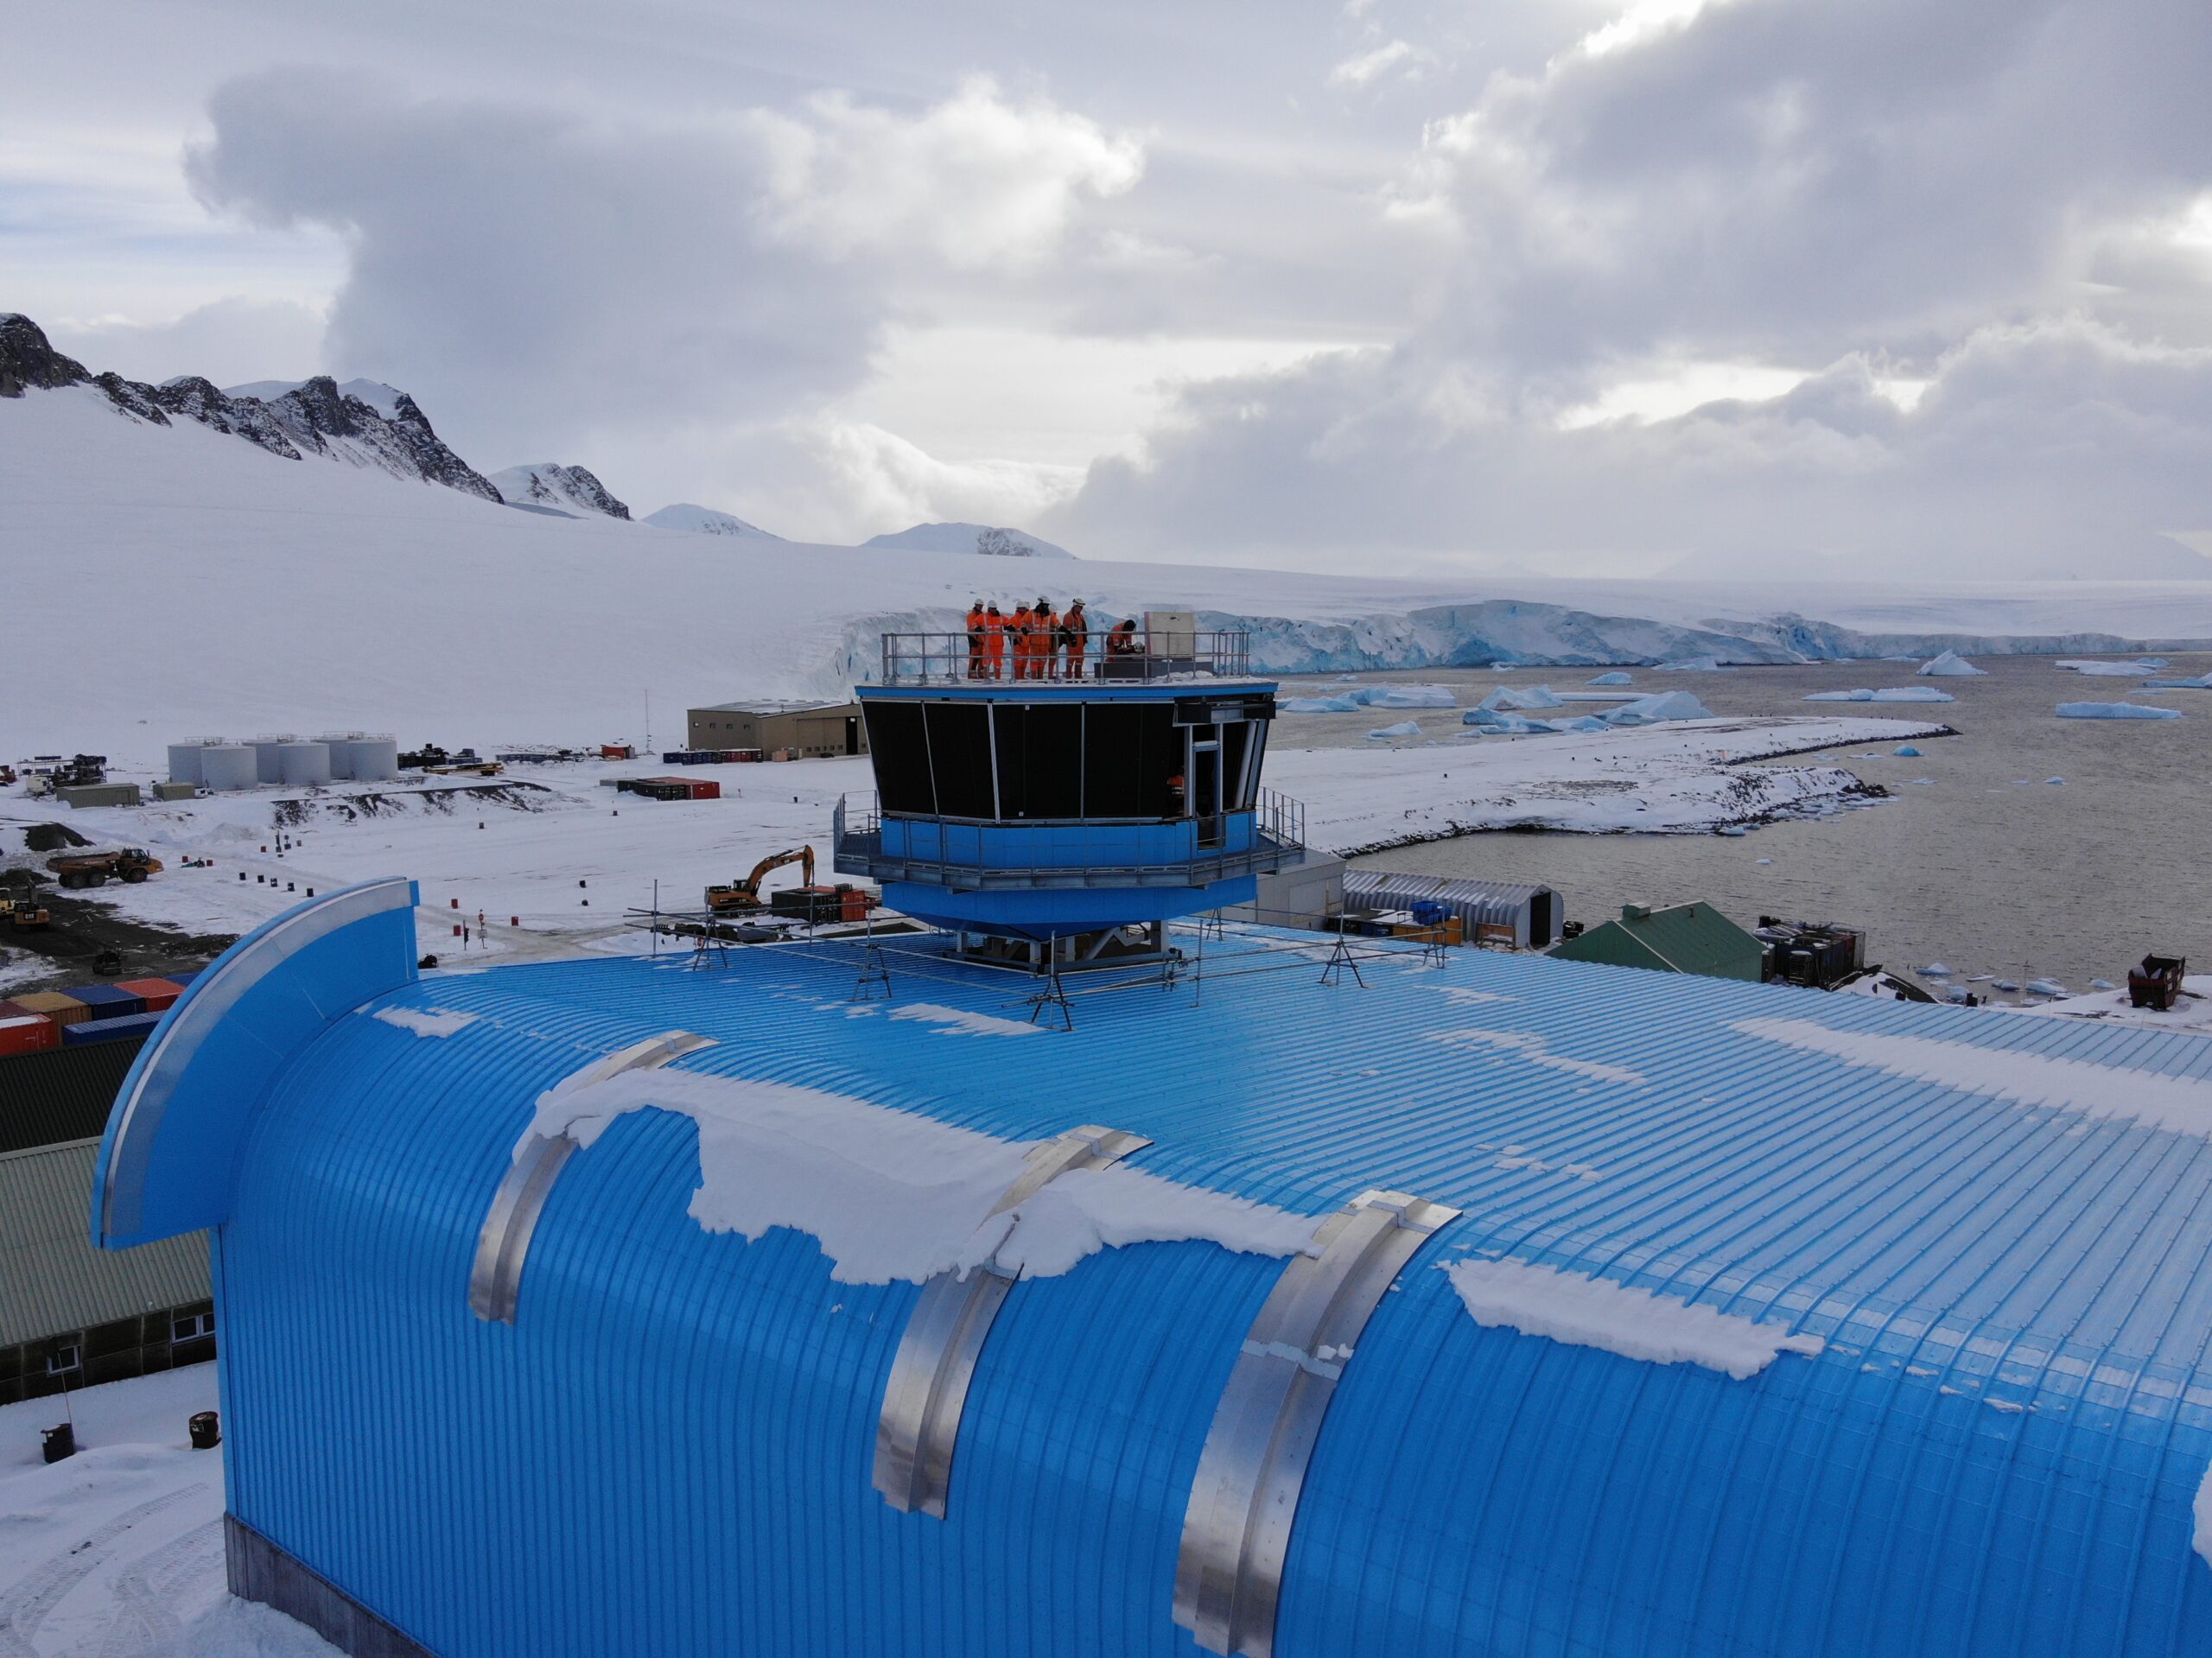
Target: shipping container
x=24 y=1033
x=705 y=789
x=108 y=1001
x=157 y=993
x=110 y=1030
x=61 y=1009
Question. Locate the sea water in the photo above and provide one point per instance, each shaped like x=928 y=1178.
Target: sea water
x=1974 y=860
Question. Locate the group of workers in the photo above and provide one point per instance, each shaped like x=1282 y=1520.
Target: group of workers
x=1036 y=642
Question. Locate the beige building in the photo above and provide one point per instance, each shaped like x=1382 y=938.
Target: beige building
x=810 y=730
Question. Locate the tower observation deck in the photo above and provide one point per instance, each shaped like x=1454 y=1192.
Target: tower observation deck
x=1065 y=797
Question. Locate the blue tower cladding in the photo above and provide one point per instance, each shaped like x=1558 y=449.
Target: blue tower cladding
x=1121 y=791
x=1513 y=1305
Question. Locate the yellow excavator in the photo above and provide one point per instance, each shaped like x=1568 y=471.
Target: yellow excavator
x=743 y=898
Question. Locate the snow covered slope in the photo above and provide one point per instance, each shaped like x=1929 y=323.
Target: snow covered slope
x=971 y=538
x=383 y=430
x=706 y=521
x=563 y=489
x=239 y=591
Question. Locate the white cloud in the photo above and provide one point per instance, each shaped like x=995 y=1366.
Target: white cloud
x=1363 y=69
x=976 y=181
x=227 y=341
x=869 y=480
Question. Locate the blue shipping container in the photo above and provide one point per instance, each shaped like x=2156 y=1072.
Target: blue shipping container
x=110 y=1030
x=107 y=1001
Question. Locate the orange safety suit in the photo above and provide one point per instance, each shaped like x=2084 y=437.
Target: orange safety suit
x=1025 y=641
x=1075 y=634
x=1048 y=643
x=995 y=642
x=975 y=642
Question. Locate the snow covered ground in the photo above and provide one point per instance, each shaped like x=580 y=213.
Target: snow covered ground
x=2192 y=1013
x=118 y=1551
x=169 y=582
x=558 y=858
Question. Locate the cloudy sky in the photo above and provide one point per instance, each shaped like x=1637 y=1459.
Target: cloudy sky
x=1875 y=290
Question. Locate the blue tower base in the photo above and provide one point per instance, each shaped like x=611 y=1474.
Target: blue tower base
x=1055 y=913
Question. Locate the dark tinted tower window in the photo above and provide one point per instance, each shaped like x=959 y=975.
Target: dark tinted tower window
x=902 y=759
x=960 y=753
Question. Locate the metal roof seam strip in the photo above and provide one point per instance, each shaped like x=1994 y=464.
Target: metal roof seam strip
x=918 y=1429
x=1243 y=1500
x=503 y=1242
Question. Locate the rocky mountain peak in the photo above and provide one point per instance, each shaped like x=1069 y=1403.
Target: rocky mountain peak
x=558 y=488
x=29 y=361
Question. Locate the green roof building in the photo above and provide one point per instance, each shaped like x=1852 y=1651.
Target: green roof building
x=1675 y=938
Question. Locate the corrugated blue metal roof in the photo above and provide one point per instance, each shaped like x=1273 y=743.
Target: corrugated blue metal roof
x=670 y=1450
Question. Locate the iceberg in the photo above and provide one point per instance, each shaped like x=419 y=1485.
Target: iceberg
x=1318 y=705
x=1906 y=752
x=2114 y=711
x=1887 y=694
x=1690 y=665
x=1624 y=679
x=1653 y=710
x=1413 y=697
x=2045 y=988
x=1403 y=728
x=1952 y=665
x=2202 y=683
x=1935 y=970
x=2097 y=668
x=1505 y=699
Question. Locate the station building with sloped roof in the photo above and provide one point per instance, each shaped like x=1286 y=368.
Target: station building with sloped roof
x=1254 y=1294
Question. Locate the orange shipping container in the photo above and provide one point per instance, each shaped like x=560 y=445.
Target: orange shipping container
x=62 y=1010
x=26 y=1032
x=157 y=993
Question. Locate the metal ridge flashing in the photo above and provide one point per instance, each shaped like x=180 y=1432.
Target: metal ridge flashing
x=1244 y=1497
x=927 y=1391
x=173 y=1068
x=503 y=1244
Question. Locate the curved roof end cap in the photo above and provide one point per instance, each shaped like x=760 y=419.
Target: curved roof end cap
x=172 y=1140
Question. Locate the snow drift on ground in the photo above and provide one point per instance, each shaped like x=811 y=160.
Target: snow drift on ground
x=118 y=1550
x=243 y=592
x=889 y=1195
x=1581 y=1310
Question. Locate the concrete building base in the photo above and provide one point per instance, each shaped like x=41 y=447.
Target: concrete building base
x=260 y=1569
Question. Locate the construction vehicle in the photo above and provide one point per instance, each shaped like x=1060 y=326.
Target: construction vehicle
x=742 y=898
x=22 y=915
x=131 y=864
x=2157 y=983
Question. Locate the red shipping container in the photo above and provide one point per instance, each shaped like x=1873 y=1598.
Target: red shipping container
x=706 y=791
x=157 y=993
x=22 y=1033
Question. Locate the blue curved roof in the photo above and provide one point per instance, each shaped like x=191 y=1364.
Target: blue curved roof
x=670 y=1450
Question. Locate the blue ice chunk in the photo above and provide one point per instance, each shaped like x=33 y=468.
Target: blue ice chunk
x=2114 y=711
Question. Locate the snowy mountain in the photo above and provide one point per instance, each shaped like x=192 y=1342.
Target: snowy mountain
x=385 y=399
x=384 y=431
x=705 y=521
x=971 y=538
x=572 y=490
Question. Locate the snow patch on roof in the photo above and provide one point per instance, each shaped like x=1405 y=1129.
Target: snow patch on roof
x=434 y=1021
x=1579 y=1311
x=1533 y=1049
x=890 y=1196
x=2103 y=1093
x=957 y=1022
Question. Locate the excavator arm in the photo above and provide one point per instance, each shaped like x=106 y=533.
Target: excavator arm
x=746 y=894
